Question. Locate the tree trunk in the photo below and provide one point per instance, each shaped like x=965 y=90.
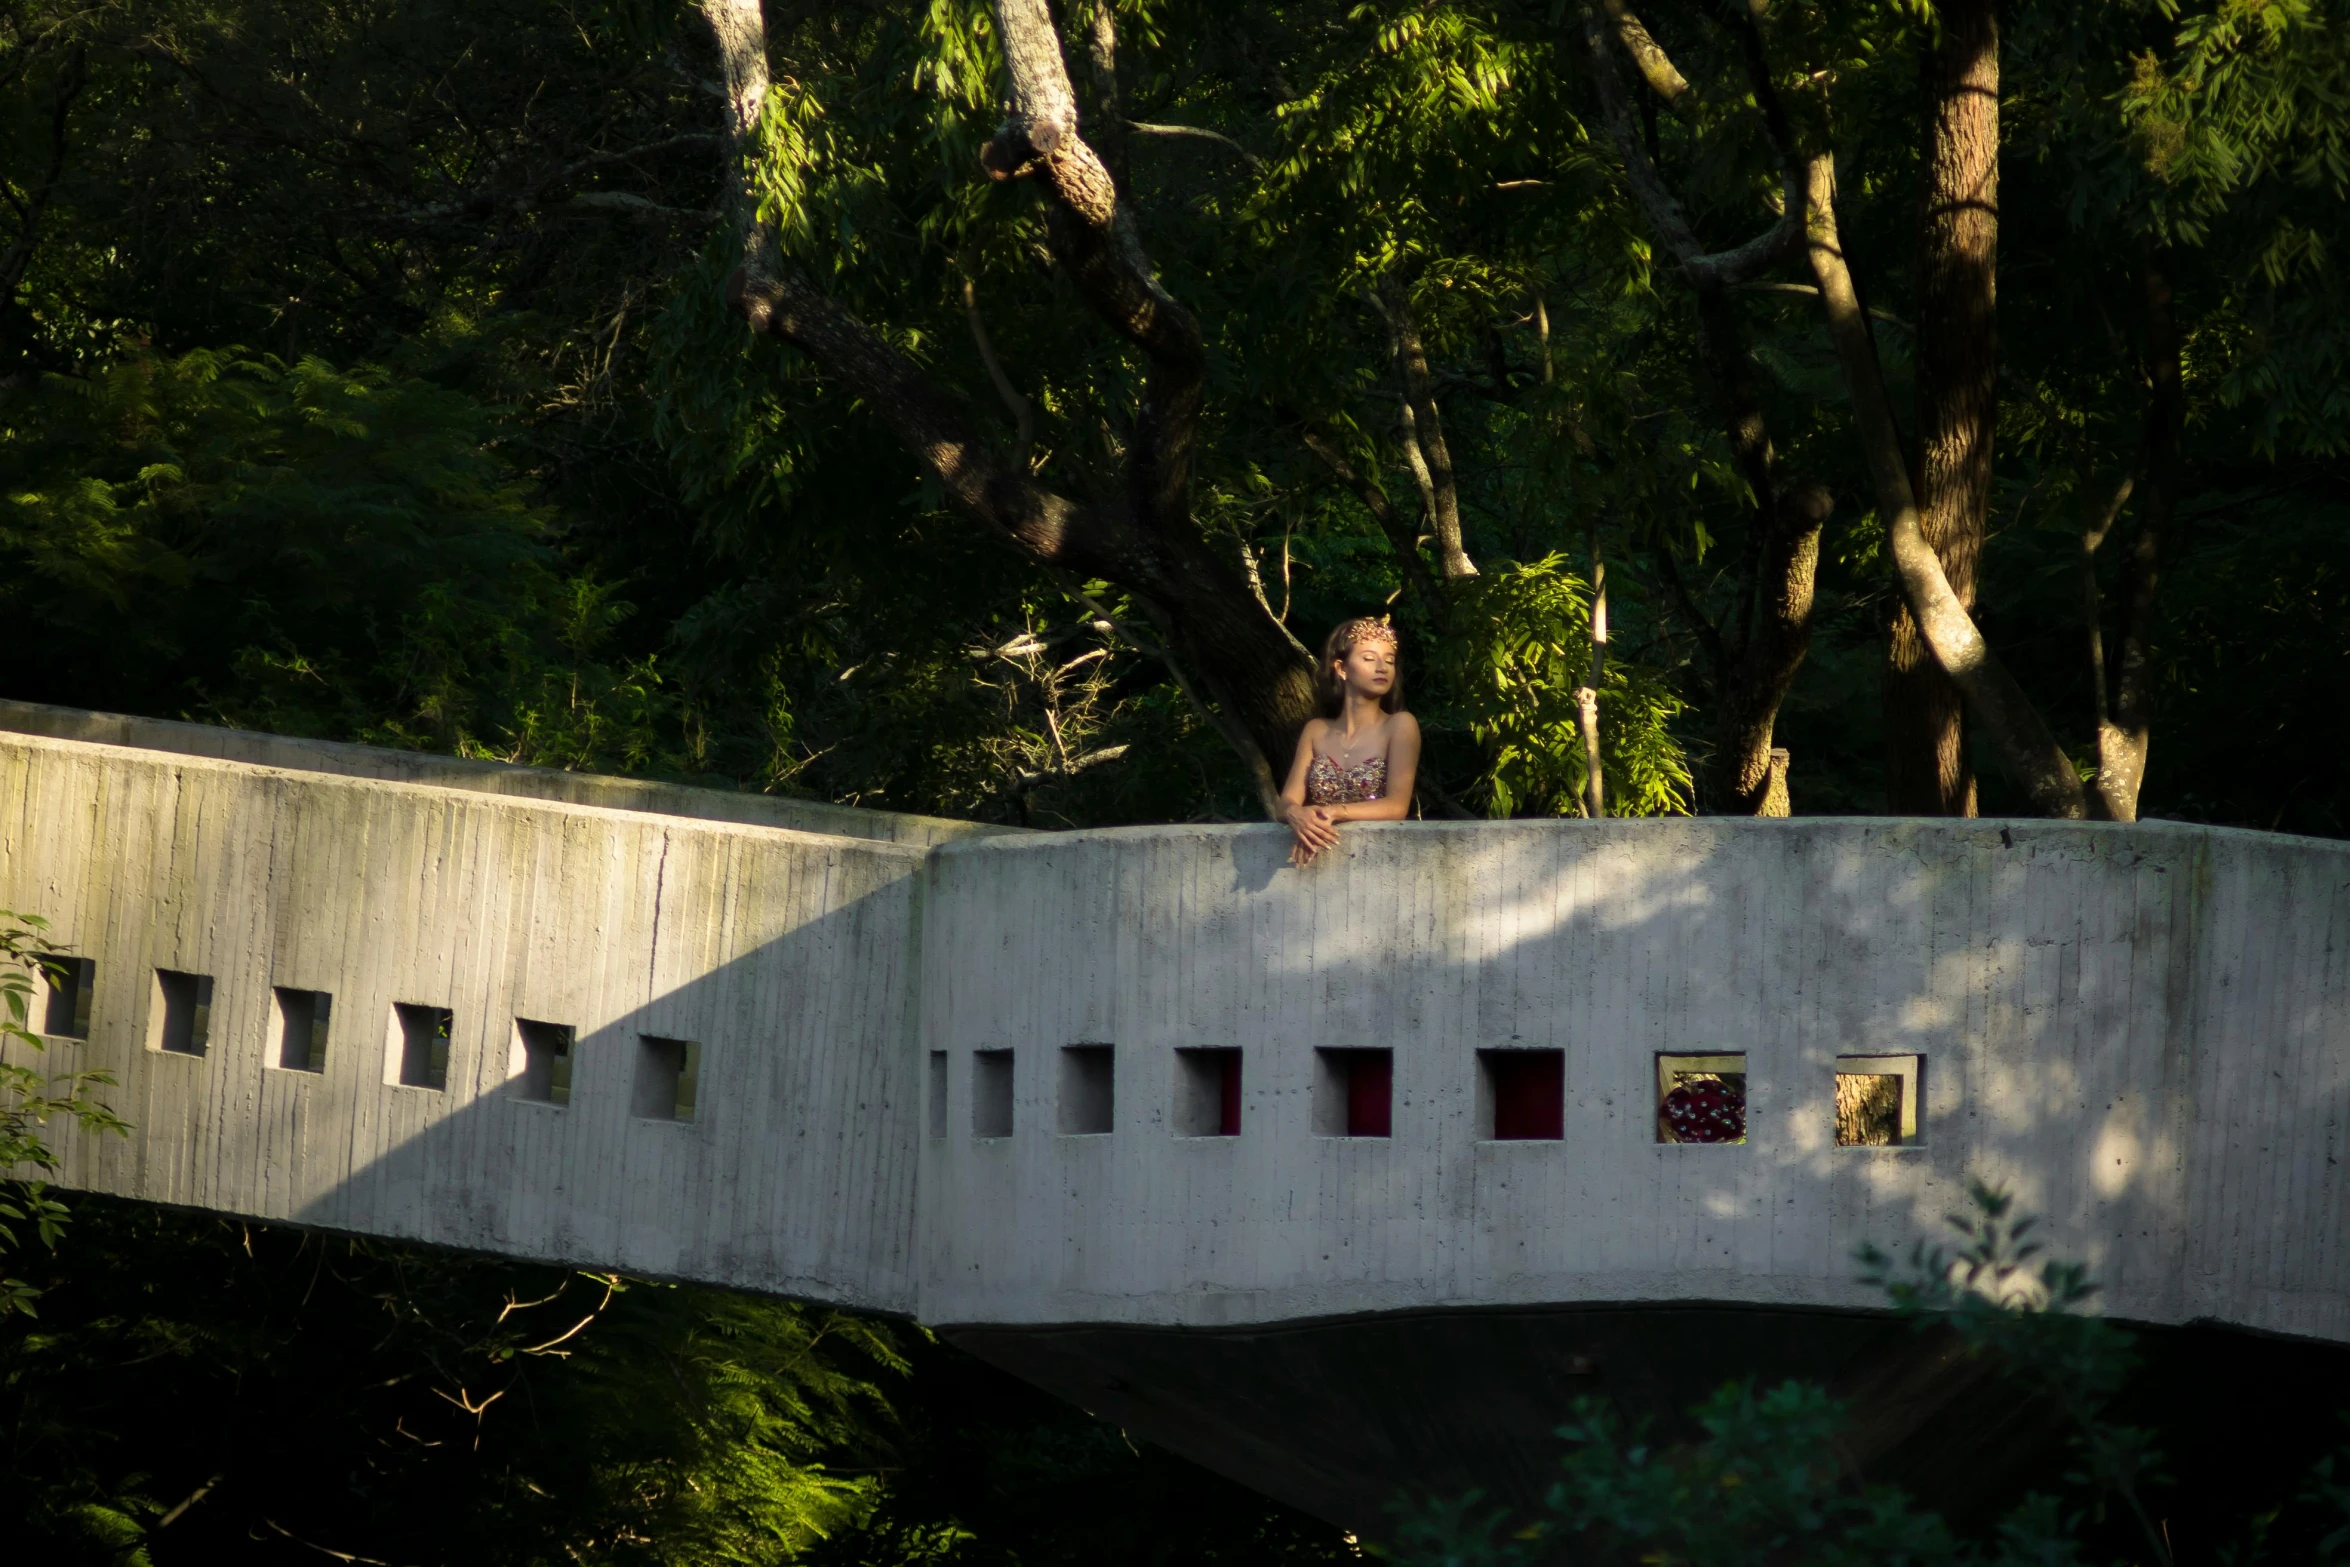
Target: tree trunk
x=2027 y=750
x=1773 y=626
x=1751 y=772
x=1587 y=695
x=2123 y=739
x=1755 y=663
x=1768 y=641
x=1106 y=127
x=2092 y=619
x=1957 y=397
x=1424 y=443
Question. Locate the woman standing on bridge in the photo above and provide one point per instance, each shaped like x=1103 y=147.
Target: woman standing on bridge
x=1357 y=762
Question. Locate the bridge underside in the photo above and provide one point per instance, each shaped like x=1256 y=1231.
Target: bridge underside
x=1341 y=1417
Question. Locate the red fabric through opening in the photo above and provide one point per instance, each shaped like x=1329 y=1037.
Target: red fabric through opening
x=1370 y=1093
x=1529 y=1093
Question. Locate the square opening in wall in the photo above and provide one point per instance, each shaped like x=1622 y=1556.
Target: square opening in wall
x=1088 y=1090
x=1354 y=1093
x=1521 y=1095
x=302 y=1017
x=668 y=1078
x=69 y=983
x=1207 y=1093
x=1701 y=1099
x=1877 y=1100
x=183 y=1012
x=938 y=1095
x=542 y=1068
x=991 y=1093
x=420 y=1044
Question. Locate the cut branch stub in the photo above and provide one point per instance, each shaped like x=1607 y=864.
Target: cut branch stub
x=1019 y=148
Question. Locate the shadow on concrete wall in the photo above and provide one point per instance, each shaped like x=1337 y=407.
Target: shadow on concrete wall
x=792 y=1174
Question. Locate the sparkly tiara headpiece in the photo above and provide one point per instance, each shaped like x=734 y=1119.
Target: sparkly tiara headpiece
x=1357 y=632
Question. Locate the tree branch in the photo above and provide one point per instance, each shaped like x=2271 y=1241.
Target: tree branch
x=1709 y=635
x=625 y=201
x=2092 y=615
x=1648 y=58
x=1201 y=133
x=190 y=1500
x=18 y=258
x=1048 y=527
x=1705 y=270
x=1146 y=542
x=1023 y=415
x=1094 y=238
x=1423 y=435
x=1218 y=716
x=1402 y=537
x=1756 y=653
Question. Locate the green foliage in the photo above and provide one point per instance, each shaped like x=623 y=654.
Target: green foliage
x=1762 y=1484
x=292 y=1389
x=2034 y=1324
x=492 y=220
x=310 y=551
x=1525 y=651
x=29 y=1100
x=198 y=1390
x=2243 y=128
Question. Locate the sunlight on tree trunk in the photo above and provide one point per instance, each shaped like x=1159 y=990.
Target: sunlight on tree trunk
x=1587 y=696
x=2125 y=724
x=1423 y=438
x=1928 y=773
x=2035 y=762
x=2109 y=739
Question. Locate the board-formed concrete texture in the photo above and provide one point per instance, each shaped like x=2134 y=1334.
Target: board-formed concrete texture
x=456 y=772
x=941 y=1074
x=2141 y=1032
x=784 y=956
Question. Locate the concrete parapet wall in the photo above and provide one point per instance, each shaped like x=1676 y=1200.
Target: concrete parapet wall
x=2143 y=1032
x=456 y=772
x=785 y=956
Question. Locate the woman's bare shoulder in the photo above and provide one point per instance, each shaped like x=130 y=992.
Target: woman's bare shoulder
x=1314 y=730
x=1405 y=724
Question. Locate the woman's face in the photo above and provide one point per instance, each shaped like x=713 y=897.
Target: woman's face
x=1368 y=668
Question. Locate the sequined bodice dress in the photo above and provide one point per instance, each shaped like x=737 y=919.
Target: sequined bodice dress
x=1327 y=783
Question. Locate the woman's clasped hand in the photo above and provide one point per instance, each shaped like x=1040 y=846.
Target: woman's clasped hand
x=1357 y=761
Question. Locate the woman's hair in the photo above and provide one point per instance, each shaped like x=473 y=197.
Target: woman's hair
x=1339 y=644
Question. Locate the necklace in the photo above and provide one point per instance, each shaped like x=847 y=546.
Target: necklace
x=1345 y=752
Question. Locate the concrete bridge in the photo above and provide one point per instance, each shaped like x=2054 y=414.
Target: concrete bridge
x=1330 y=1179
